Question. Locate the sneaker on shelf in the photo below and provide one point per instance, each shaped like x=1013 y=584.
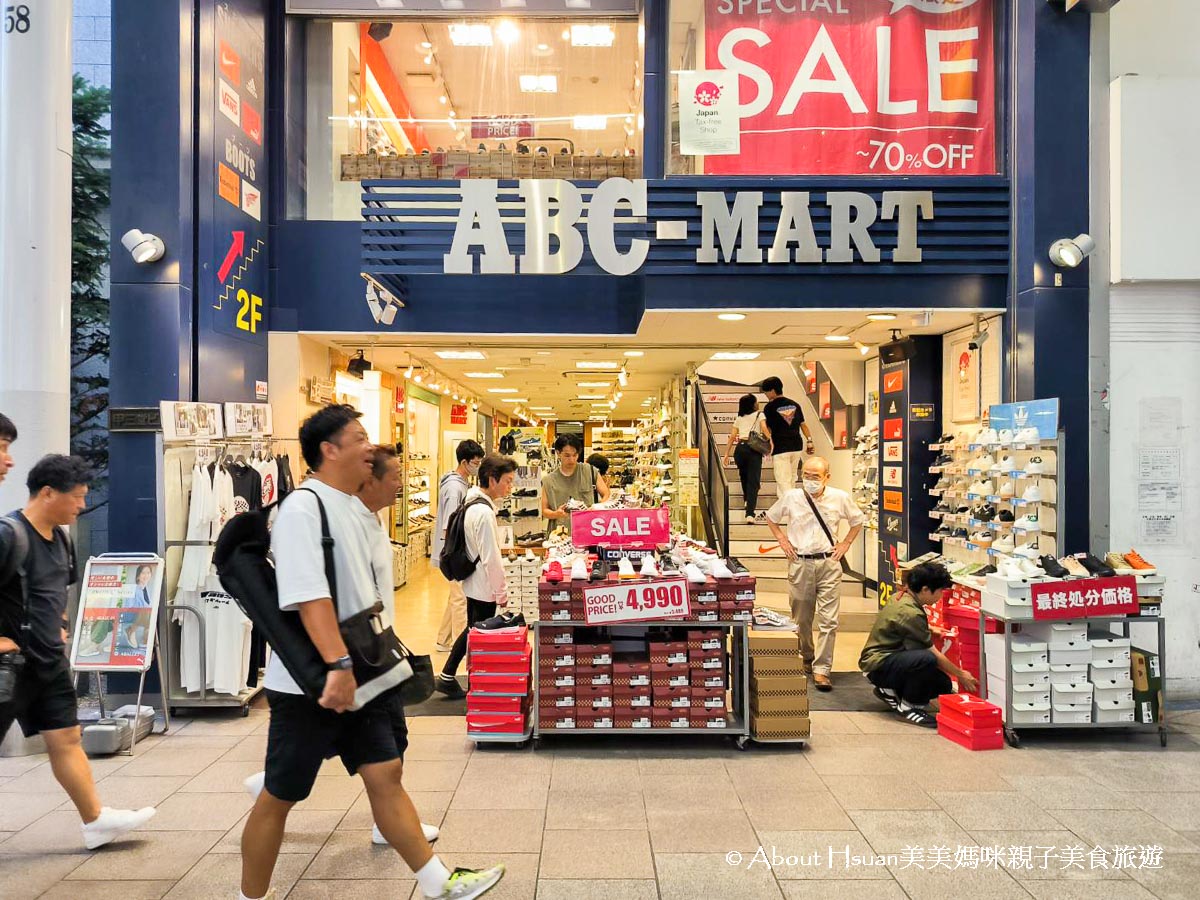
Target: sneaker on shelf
x=579 y=569
x=1029 y=549
x=1035 y=466
x=983 y=462
x=944 y=460
x=1096 y=567
x=1029 y=568
x=1028 y=523
x=1052 y=567
x=982 y=488
x=1116 y=562
x=1006 y=515
x=768 y=617
x=960 y=533
x=1004 y=436
x=1074 y=567
x=668 y=566
x=449 y=686
x=1033 y=493
x=963 y=510
x=736 y=567
x=693 y=574
x=983 y=539
x=625 y=569
x=1135 y=561
x=945 y=531
x=112 y=823
x=467 y=884
x=554 y=572
x=1005 y=464
x=504 y=514
x=1007 y=489
x=986 y=570
x=984 y=512
x=915 y=715
x=943 y=507
x=943 y=484
x=987 y=436
x=1028 y=435
x=649 y=569
x=599 y=571
x=505 y=622
x=1003 y=544
x=720 y=569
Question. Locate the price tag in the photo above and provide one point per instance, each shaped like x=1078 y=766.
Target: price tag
x=610 y=603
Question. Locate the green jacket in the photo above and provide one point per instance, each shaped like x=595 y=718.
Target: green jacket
x=901 y=625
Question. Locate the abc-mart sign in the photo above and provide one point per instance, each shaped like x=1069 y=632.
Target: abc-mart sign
x=729 y=232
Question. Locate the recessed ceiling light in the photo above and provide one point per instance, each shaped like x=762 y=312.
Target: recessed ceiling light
x=838 y=338
x=544 y=352
x=538 y=84
x=881 y=317
x=460 y=354
x=508 y=32
x=484 y=374
x=514 y=399
x=735 y=355
x=589 y=123
x=603 y=384
x=542 y=408
x=471 y=34
x=634 y=353
x=590 y=397
x=731 y=317
x=592 y=35
x=593 y=364
x=502 y=390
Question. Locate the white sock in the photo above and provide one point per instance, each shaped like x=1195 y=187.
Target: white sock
x=432 y=877
x=242 y=896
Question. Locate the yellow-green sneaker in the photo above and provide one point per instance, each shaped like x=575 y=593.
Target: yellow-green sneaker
x=466 y=884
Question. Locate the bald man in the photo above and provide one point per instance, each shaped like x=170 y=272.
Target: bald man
x=814 y=514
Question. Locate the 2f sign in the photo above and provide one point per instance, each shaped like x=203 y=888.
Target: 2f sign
x=249 y=311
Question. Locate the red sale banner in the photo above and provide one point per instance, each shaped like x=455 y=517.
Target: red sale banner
x=621 y=527
x=858 y=87
x=1086 y=597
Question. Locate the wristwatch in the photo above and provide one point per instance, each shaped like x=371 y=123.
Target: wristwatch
x=342 y=663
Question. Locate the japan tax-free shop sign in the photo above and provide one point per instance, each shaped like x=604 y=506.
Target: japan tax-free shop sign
x=853 y=87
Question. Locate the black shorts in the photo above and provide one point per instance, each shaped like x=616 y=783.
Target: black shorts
x=302 y=735
x=45 y=699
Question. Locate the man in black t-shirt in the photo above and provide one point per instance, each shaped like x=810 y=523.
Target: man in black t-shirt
x=784 y=421
x=33 y=636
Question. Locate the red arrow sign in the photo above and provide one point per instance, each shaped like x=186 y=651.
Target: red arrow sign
x=235 y=250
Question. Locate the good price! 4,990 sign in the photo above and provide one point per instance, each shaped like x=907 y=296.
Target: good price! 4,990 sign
x=611 y=603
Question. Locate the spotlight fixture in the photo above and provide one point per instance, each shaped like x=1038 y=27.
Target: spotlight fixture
x=980 y=336
x=634 y=353
x=1070 y=252
x=622 y=377
x=409 y=371
x=418 y=378
x=143 y=246
x=358 y=365
x=863 y=349
x=379 y=31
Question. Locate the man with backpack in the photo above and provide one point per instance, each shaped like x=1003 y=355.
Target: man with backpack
x=37 y=567
x=471 y=556
x=452 y=490
x=325 y=516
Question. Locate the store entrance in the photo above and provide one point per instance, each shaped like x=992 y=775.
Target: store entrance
x=654 y=412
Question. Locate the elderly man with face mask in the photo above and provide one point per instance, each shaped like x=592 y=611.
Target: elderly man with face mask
x=813 y=514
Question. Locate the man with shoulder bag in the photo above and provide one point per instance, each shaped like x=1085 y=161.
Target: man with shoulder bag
x=813 y=514
x=320 y=529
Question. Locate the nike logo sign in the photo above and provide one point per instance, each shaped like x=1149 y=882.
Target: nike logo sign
x=767 y=548
x=228 y=61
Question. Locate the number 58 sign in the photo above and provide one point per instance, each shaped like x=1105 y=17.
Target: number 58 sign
x=610 y=603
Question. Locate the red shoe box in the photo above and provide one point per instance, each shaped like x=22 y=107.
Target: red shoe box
x=594 y=697
x=708 y=698
x=700 y=718
x=593 y=676
x=673 y=697
x=671 y=718
x=706 y=639
x=556 y=676
x=633 y=697
x=668 y=674
x=968 y=711
x=556 y=697
x=552 y=719
x=483 y=703
x=668 y=652
x=562 y=612
x=703 y=594
x=971 y=738
x=736 y=612
x=561 y=655
x=632 y=718
x=499 y=682
x=556 y=635
x=599 y=718
x=513 y=663
x=631 y=674
x=593 y=654
x=495 y=723
x=513 y=642
x=706 y=613
x=713 y=678
x=707 y=659
x=740 y=590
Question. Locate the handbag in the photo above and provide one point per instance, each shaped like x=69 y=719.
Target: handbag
x=756 y=440
x=824 y=528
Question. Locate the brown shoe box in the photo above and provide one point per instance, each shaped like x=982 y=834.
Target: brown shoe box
x=777 y=666
x=772 y=685
x=707 y=659
x=633 y=697
x=668 y=652
x=735 y=612
x=706 y=639
x=709 y=679
x=784 y=704
x=597 y=696
x=780 y=728
x=707 y=718
x=773 y=643
x=632 y=718
x=555 y=636
x=594 y=654
x=708 y=698
x=741 y=590
x=556 y=676
x=671 y=718
x=556 y=697
x=557 y=656
x=552 y=719
x=594 y=718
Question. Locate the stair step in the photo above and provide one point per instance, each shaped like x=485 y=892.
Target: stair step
x=744 y=550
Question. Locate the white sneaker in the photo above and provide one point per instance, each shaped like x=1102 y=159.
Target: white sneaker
x=982 y=488
x=1029 y=568
x=983 y=462
x=1007 y=489
x=254 y=784
x=1029 y=550
x=1035 y=466
x=749 y=519
x=579 y=569
x=1003 y=544
x=1033 y=493
x=1004 y=436
x=112 y=823
x=693 y=574
x=720 y=569
x=649 y=569
x=467 y=884
x=625 y=569
x=1027 y=436
x=987 y=436
x=1028 y=523
x=1004 y=464
x=431 y=834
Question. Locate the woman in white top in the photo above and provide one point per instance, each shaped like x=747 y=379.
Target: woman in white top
x=749 y=462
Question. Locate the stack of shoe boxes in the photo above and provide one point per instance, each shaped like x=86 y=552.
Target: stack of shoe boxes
x=778 y=688
x=521 y=573
x=970 y=722
x=1113 y=697
x=498 y=674
x=1029 y=675
x=1147 y=686
x=593 y=684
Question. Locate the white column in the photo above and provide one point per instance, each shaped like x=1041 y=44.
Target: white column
x=35 y=232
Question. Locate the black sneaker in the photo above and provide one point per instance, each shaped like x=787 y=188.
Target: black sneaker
x=1052 y=567
x=526 y=492
x=944 y=460
x=527 y=513
x=945 y=438
x=1006 y=515
x=450 y=687
x=887 y=696
x=915 y=715
x=501 y=622
x=599 y=571
x=945 y=531
x=960 y=533
x=504 y=514
x=943 y=507
x=1097 y=567
x=985 y=512
x=986 y=570
x=737 y=568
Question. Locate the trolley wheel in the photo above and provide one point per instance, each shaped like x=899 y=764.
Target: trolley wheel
x=1012 y=738
x=245 y=710
x=536 y=743
x=741 y=742
x=1162 y=736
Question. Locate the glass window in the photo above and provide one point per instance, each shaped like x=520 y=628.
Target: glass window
x=474 y=98
x=833 y=87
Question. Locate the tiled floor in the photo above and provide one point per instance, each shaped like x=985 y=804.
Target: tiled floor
x=656 y=818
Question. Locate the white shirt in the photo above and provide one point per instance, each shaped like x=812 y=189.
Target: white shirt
x=300 y=560
x=743 y=425
x=487 y=582
x=381 y=562
x=804 y=532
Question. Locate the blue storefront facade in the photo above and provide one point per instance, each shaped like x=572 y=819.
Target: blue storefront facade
x=213 y=102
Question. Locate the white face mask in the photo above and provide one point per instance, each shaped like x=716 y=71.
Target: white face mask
x=473 y=469
x=813 y=487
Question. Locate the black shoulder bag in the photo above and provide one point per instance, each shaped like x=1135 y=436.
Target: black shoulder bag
x=824 y=527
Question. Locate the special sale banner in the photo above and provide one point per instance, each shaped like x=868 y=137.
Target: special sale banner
x=857 y=87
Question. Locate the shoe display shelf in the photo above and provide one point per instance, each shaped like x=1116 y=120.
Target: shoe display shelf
x=866 y=475
x=779 y=709
x=1086 y=673
x=522 y=509
x=619 y=447
x=417 y=499
x=499 y=690
x=660 y=676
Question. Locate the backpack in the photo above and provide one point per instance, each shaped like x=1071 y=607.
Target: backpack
x=455 y=562
x=18 y=555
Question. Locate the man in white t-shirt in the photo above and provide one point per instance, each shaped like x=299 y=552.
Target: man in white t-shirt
x=452 y=490
x=303 y=732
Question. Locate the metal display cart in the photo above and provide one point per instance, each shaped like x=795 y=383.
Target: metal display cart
x=1011 y=734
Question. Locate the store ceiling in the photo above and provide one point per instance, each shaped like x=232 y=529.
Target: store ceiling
x=543 y=369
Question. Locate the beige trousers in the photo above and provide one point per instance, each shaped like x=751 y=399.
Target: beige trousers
x=787 y=470
x=815 y=587
x=454 y=619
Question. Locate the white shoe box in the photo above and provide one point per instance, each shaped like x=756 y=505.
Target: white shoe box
x=1057 y=632
x=1113 y=697
x=1069 y=654
x=1150 y=585
x=1071 y=714
x=1101 y=671
x=1028 y=654
x=1074 y=694
x=1030 y=714
x=1068 y=673
x=1024 y=694
x=1115 y=649
x=1123 y=712
x=1011 y=589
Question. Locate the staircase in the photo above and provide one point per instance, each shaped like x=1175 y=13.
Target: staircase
x=753 y=545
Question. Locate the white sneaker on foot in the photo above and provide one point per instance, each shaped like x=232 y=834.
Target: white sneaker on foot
x=112 y=823
x=431 y=834
x=466 y=884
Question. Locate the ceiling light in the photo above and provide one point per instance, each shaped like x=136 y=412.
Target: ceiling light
x=1070 y=252
x=622 y=377
x=408 y=372
x=461 y=354
x=735 y=355
x=538 y=84
x=143 y=246
x=589 y=123
x=446 y=389
x=542 y=408
x=590 y=397
x=428 y=59
x=731 y=317
x=592 y=35
x=600 y=384
x=425 y=45
x=544 y=353
x=543 y=48
x=634 y=353
x=418 y=378
x=594 y=364
x=471 y=34
x=838 y=338
x=862 y=348
x=508 y=32
x=484 y=374
x=514 y=399
x=442 y=99
x=881 y=317
x=353 y=99
x=502 y=390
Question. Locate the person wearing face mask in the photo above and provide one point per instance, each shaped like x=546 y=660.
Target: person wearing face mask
x=814 y=514
x=452 y=490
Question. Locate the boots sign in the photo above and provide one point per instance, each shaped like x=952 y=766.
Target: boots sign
x=557 y=217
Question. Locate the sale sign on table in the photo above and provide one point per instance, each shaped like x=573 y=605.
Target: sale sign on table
x=1086 y=597
x=857 y=87
x=608 y=604
x=621 y=527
